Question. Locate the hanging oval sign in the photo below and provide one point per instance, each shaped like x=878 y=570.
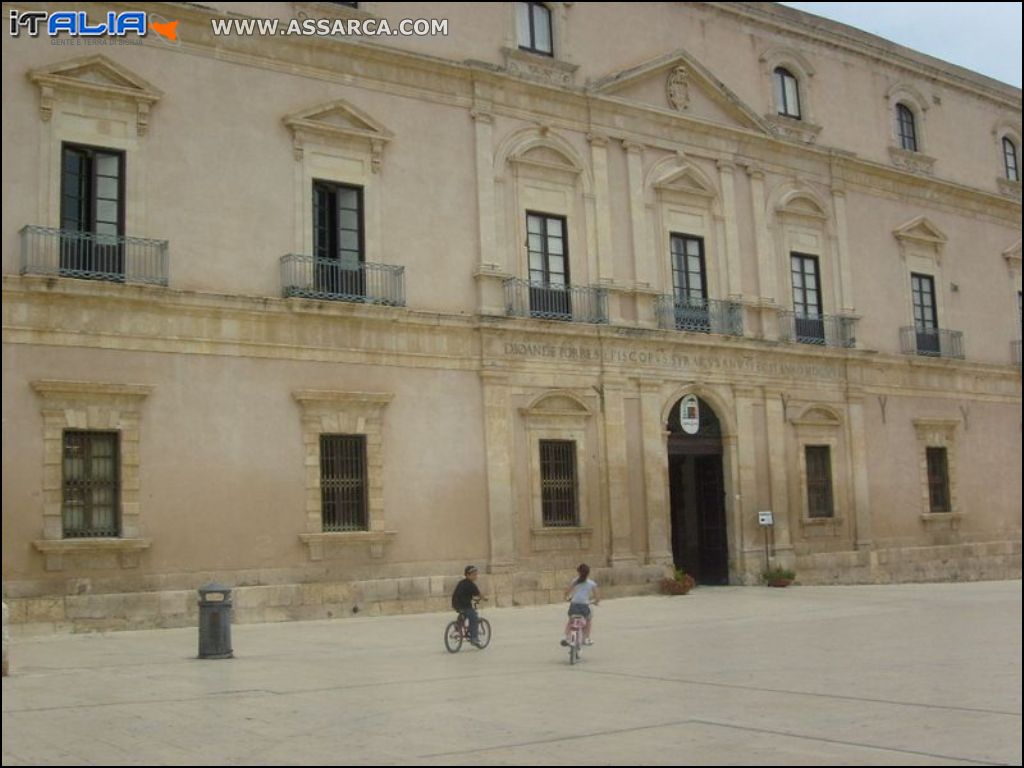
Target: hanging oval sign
x=689 y=415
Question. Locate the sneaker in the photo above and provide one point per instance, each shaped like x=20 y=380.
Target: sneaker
x=588 y=641
x=564 y=642
x=476 y=643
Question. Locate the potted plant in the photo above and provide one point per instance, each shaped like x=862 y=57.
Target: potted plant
x=777 y=576
x=678 y=584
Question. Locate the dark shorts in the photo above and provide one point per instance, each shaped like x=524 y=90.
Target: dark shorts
x=575 y=609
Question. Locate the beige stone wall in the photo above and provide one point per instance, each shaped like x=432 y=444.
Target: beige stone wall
x=220 y=388
x=209 y=412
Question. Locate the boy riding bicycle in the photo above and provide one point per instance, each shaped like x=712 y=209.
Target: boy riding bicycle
x=462 y=601
x=579 y=594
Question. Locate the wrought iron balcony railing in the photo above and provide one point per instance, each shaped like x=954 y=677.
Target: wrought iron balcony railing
x=311 y=278
x=824 y=330
x=574 y=304
x=699 y=315
x=67 y=253
x=932 y=342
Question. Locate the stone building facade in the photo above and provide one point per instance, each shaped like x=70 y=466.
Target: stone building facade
x=327 y=318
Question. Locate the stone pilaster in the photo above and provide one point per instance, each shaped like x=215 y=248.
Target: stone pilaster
x=498 y=436
x=726 y=170
x=490 y=270
x=643 y=268
x=859 y=468
x=778 y=460
x=655 y=453
x=845 y=297
x=618 y=472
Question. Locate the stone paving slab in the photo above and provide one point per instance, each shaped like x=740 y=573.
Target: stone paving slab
x=913 y=674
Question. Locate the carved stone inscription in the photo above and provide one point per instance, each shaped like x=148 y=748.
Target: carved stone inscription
x=695 y=362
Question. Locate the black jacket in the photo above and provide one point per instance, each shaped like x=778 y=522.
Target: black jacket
x=462 y=597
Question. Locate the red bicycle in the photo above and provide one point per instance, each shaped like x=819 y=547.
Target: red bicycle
x=577 y=625
x=458 y=631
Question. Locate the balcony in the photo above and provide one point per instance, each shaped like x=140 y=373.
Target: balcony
x=699 y=315
x=932 y=342
x=89 y=256
x=332 y=280
x=573 y=304
x=823 y=331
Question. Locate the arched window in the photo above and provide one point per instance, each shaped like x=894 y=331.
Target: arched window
x=1010 y=159
x=905 y=128
x=787 y=93
x=533 y=22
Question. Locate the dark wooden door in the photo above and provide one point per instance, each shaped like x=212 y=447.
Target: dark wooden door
x=714 y=549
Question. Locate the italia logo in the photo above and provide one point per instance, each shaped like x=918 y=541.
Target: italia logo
x=78 y=24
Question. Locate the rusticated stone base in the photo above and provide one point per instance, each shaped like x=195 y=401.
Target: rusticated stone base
x=329 y=600
x=985 y=561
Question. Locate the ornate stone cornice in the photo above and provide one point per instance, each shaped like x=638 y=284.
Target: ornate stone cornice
x=95 y=76
x=323 y=398
x=544 y=69
x=912 y=161
x=1009 y=188
x=818 y=31
x=793 y=130
x=53 y=388
x=338 y=121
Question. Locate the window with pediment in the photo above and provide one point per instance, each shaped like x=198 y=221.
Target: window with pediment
x=908 y=138
x=94 y=117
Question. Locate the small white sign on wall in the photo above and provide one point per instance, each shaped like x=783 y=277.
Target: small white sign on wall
x=765 y=517
x=689 y=415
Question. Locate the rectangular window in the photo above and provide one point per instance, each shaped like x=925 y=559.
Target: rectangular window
x=787 y=93
x=533 y=23
x=338 y=239
x=810 y=327
x=689 y=283
x=92 y=212
x=907 y=130
x=558 y=483
x=91 y=506
x=938 y=480
x=547 y=248
x=819 y=481
x=343 y=491
x=688 y=276
x=926 y=319
x=1010 y=160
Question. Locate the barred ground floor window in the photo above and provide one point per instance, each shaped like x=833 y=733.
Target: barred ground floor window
x=343 y=482
x=91 y=484
x=938 y=480
x=819 y=481
x=558 y=483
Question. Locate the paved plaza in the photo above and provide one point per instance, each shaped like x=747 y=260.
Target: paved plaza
x=913 y=674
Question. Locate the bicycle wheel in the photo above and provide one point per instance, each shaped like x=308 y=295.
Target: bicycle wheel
x=484 y=633
x=452 y=637
x=574 y=650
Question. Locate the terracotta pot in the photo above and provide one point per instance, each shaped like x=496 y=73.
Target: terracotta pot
x=673 y=587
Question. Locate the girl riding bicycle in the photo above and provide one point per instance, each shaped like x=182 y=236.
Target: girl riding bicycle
x=580 y=593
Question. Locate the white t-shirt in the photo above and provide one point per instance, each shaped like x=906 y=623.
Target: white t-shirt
x=581 y=592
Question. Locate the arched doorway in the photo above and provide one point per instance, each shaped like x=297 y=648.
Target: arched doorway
x=697 y=494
